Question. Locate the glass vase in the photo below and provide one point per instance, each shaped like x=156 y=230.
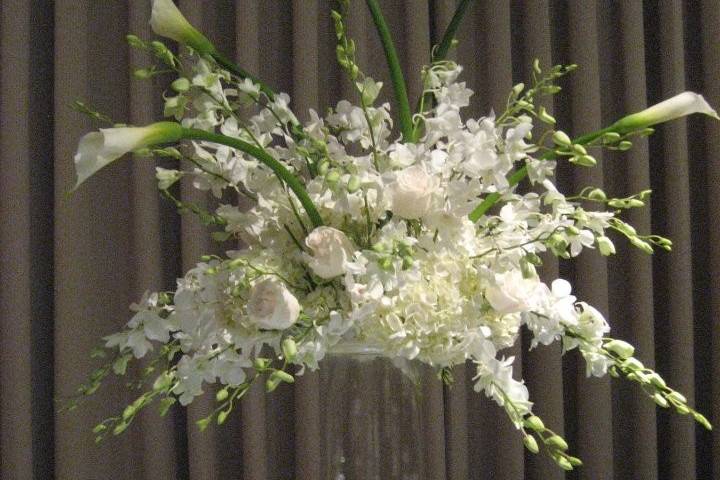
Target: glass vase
x=374 y=416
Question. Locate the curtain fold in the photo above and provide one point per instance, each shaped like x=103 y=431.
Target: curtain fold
x=71 y=264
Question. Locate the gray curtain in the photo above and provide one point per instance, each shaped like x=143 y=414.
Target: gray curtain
x=70 y=266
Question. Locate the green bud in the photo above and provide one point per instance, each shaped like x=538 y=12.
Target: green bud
x=119 y=428
x=579 y=149
x=660 y=400
x=634 y=203
x=613 y=372
x=657 y=380
x=605 y=245
x=180 y=85
x=557 y=441
x=222 y=416
x=677 y=396
x=597 y=194
x=134 y=41
x=544 y=116
x=379 y=247
x=632 y=364
x=289 y=348
x=332 y=176
x=531 y=443
x=700 y=418
x=535 y=423
x=536 y=66
x=407 y=262
x=573 y=230
x=517 y=89
x=642 y=245
x=682 y=409
x=574 y=461
x=261 y=363
x=624 y=146
x=323 y=167
x=564 y=463
x=100 y=427
x=142 y=73
x=203 y=423
x=353 y=184
x=611 y=137
x=283 y=376
x=584 y=160
x=271 y=384
x=222 y=395
x=534 y=259
x=620 y=348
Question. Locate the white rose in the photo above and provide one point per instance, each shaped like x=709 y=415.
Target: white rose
x=331 y=252
x=411 y=193
x=167 y=21
x=98 y=149
x=272 y=306
x=511 y=293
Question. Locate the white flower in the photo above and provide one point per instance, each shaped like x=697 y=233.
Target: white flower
x=98 y=149
x=412 y=192
x=167 y=21
x=512 y=293
x=331 y=252
x=680 y=105
x=272 y=306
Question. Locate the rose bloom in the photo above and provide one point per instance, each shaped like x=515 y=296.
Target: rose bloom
x=411 y=193
x=272 y=306
x=331 y=251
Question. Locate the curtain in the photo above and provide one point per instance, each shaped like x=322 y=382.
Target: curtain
x=71 y=264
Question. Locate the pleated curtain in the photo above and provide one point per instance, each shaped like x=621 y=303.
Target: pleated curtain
x=71 y=265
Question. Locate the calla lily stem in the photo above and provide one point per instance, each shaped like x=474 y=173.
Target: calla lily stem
x=278 y=168
x=396 y=74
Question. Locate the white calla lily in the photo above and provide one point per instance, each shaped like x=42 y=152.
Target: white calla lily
x=98 y=149
x=680 y=105
x=168 y=21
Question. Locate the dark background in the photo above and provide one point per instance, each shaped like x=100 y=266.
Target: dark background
x=70 y=266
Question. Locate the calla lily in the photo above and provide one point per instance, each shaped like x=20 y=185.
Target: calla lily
x=98 y=149
x=680 y=105
x=167 y=21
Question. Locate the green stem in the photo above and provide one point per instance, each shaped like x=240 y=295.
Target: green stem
x=396 y=74
x=520 y=174
x=230 y=66
x=278 y=168
x=442 y=50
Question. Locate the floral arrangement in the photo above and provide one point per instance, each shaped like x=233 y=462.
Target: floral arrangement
x=417 y=245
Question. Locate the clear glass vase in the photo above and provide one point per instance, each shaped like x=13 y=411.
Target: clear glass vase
x=373 y=416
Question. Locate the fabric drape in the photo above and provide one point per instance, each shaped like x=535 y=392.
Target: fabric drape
x=71 y=265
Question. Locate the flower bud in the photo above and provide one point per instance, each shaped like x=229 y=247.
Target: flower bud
x=620 y=348
x=678 y=106
x=606 y=246
x=289 y=348
x=98 y=149
x=561 y=138
x=353 y=184
x=535 y=423
x=660 y=400
x=558 y=442
x=180 y=85
x=166 y=20
x=531 y=443
x=597 y=194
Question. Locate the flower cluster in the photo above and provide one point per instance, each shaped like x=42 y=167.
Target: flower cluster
x=419 y=246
